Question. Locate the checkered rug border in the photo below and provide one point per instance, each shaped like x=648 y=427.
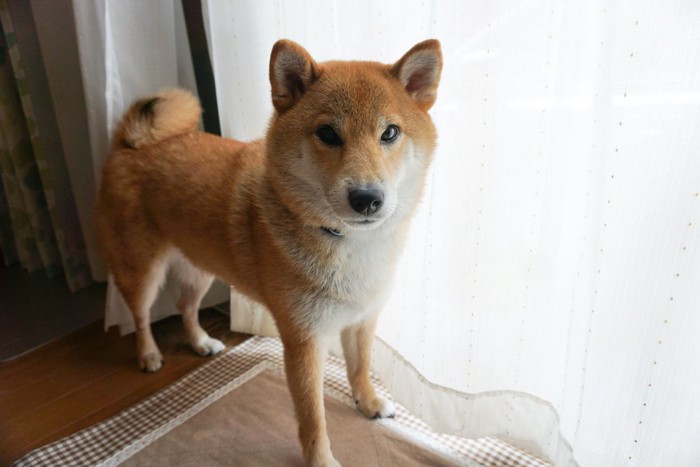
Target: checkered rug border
x=117 y=438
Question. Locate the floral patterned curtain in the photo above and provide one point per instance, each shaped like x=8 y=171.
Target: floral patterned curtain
x=33 y=230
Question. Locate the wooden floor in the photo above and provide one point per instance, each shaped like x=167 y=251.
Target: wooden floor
x=87 y=376
x=35 y=309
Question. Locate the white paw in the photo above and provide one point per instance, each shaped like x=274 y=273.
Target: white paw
x=325 y=461
x=208 y=346
x=151 y=362
x=379 y=407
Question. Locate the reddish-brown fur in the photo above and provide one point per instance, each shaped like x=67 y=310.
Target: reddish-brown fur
x=258 y=215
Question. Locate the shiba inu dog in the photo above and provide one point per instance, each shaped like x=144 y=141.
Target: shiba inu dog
x=308 y=221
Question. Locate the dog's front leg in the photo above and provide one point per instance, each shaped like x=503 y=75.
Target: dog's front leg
x=357 y=347
x=303 y=359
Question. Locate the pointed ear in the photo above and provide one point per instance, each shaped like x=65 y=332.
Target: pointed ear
x=419 y=72
x=292 y=70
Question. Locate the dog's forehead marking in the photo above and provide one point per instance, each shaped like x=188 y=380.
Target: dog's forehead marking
x=357 y=94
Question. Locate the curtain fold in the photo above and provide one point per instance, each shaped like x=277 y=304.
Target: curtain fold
x=127 y=49
x=68 y=70
x=548 y=293
x=39 y=230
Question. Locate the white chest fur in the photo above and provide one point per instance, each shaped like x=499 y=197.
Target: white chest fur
x=356 y=286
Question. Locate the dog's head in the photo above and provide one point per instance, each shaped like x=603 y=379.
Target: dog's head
x=350 y=142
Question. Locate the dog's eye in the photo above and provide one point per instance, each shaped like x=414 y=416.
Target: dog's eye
x=390 y=134
x=328 y=136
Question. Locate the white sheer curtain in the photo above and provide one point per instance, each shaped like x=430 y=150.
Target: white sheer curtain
x=127 y=49
x=549 y=293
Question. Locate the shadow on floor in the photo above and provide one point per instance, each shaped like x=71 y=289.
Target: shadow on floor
x=35 y=310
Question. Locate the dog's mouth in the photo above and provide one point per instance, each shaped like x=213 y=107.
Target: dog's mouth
x=363 y=224
x=353 y=224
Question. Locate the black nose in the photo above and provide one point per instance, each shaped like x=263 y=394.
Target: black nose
x=366 y=200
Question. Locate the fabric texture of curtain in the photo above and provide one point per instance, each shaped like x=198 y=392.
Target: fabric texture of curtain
x=549 y=290
x=37 y=207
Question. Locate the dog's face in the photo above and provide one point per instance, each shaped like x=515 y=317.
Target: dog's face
x=351 y=141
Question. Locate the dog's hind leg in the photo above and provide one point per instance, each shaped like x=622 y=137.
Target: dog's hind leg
x=194 y=283
x=357 y=348
x=139 y=280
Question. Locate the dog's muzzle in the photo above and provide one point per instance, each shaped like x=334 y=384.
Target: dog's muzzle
x=366 y=201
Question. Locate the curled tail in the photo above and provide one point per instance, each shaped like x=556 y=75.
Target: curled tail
x=168 y=113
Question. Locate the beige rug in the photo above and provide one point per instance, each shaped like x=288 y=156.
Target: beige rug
x=236 y=411
x=254 y=425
